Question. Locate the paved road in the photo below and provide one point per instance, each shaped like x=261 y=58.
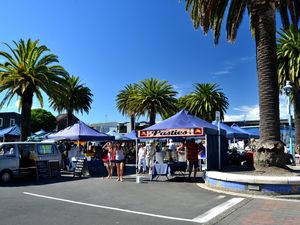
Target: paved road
x=102 y=201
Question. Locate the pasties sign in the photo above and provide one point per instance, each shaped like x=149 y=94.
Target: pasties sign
x=189 y=132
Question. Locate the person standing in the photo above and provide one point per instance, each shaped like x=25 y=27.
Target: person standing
x=142 y=158
x=150 y=153
x=120 y=158
x=109 y=159
x=193 y=149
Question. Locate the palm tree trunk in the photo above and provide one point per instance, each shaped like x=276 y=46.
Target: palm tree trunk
x=152 y=116
x=69 y=118
x=296 y=94
x=132 y=122
x=26 y=114
x=270 y=149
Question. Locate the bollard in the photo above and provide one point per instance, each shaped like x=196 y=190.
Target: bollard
x=139 y=179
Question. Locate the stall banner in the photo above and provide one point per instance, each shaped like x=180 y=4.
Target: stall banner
x=186 y=132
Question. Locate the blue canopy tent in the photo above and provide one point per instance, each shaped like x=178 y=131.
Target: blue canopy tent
x=231 y=133
x=12 y=132
x=132 y=135
x=184 y=125
x=118 y=136
x=182 y=120
x=250 y=135
x=80 y=132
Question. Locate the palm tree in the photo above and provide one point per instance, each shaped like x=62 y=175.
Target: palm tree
x=209 y=14
x=288 y=56
x=27 y=71
x=154 y=96
x=74 y=97
x=123 y=102
x=205 y=100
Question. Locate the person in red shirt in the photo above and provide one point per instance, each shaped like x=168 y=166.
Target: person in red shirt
x=193 y=149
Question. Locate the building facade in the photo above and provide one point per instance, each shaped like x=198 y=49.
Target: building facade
x=9 y=119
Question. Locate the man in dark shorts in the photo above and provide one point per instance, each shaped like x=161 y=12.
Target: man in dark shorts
x=193 y=150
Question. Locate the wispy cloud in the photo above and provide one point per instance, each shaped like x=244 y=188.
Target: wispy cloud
x=246 y=58
x=244 y=113
x=183 y=89
x=225 y=70
x=251 y=112
x=229 y=66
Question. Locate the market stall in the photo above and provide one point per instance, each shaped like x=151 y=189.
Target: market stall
x=184 y=125
x=80 y=132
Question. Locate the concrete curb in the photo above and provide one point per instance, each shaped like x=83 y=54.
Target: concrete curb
x=269 y=185
x=253 y=179
x=287 y=198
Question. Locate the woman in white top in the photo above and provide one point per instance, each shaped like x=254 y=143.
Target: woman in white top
x=119 y=158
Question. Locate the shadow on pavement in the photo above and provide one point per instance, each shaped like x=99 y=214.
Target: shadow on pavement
x=31 y=181
x=180 y=179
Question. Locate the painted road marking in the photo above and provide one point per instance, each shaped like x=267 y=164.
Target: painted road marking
x=200 y=219
x=220 y=197
x=111 y=208
x=210 y=214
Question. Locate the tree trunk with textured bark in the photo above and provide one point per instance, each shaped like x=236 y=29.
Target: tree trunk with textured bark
x=132 y=122
x=270 y=150
x=69 y=118
x=26 y=114
x=152 y=116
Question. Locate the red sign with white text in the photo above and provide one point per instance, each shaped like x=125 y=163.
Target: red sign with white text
x=188 y=132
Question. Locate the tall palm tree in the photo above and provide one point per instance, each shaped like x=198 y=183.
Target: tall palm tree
x=154 y=96
x=74 y=97
x=288 y=56
x=27 y=71
x=123 y=102
x=205 y=100
x=209 y=14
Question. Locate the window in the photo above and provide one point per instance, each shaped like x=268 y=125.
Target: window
x=27 y=151
x=12 y=122
x=7 y=151
x=1 y=122
x=45 y=149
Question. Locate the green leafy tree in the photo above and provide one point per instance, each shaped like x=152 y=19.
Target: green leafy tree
x=205 y=100
x=154 y=97
x=209 y=14
x=27 y=71
x=288 y=55
x=123 y=102
x=42 y=119
x=73 y=97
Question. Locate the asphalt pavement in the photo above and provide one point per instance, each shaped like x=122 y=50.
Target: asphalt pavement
x=96 y=200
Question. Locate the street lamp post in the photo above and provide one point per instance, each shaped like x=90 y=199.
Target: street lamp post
x=288 y=90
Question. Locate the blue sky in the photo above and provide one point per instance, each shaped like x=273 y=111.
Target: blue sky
x=109 y=44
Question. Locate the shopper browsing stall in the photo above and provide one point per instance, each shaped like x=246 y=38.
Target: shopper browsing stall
x=120 y=159
x=193 y=150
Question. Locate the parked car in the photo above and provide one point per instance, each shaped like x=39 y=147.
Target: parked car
x=19 y=159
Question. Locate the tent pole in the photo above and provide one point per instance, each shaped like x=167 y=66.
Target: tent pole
x=136 y=156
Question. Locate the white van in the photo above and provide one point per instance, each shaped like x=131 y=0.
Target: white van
x=19 y=158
